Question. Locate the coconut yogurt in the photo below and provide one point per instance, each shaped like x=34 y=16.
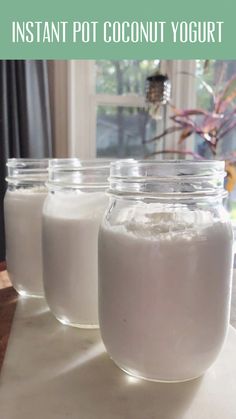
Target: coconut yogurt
x=70 y=234
x=72 y=214
x=23 y=204
x=23 y=224
x=165 y=269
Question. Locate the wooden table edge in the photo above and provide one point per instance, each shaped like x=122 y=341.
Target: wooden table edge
x=8 y=301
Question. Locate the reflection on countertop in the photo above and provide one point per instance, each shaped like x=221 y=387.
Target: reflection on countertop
x=53 y=371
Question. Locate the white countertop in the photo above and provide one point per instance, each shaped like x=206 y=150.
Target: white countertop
x=52 y=371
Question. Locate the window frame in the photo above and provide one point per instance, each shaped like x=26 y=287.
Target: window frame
x=81 y=101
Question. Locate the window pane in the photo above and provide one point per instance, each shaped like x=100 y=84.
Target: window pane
x=123 y=77
x=122 y=131
x=216 y=74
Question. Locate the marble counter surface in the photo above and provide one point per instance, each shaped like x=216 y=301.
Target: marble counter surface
x=52 y=371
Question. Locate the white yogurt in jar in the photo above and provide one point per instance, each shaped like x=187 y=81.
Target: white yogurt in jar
x=164 y=292
x=70 y=233
x=23 y=224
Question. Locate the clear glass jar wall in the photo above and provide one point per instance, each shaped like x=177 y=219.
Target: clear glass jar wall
x=165 y=268
x=71 y=216
x=23 y=212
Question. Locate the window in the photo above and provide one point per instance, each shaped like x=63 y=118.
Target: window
x=111 y=114
x=107 y=112
x=215 y=73
x=123 y=123
x=90 y=125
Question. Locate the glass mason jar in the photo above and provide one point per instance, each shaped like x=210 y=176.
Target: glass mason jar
x=23 y=204
x=71 y=217
x=165 y=268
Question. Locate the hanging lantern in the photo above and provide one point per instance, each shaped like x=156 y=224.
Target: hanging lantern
x=158 y=91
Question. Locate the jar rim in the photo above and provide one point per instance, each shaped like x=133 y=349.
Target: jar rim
x=78 y=173
x=166 y=168
x=27 y=171
x=24 y=162
x=167 y=178
x=75 y=163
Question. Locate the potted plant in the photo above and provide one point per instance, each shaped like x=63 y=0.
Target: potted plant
x=211 y=126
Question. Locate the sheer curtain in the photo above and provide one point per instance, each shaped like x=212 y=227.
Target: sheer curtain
x=25 y=121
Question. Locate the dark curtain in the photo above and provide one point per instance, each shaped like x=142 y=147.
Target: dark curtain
x=25 y=127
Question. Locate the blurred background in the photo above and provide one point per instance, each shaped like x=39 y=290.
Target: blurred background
x=128 y=108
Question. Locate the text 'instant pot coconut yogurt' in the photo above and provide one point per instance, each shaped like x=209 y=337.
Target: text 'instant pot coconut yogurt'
x=71 y=217
x=23 y=204
x=165 y=268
